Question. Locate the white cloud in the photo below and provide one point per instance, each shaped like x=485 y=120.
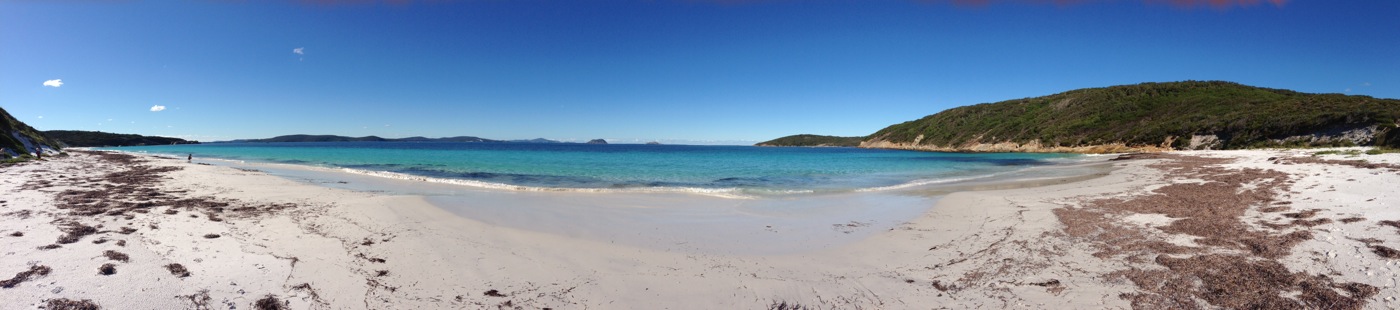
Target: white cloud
x=41 y=116
x=1366 y=84
x=1348 y=90
x=157 y=108
x=54 y=83
x=299 y=51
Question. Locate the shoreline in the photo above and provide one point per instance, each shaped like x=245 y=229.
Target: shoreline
x=1056 y=245
x=311 y=170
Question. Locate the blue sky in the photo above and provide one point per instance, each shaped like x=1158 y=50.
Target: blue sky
x=634 y=71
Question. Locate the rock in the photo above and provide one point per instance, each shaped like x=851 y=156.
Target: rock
x=597 y=141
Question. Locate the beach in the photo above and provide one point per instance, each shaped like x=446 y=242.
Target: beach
x=1192 y=229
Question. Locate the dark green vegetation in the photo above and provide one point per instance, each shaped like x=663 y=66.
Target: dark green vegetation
x=813 y=140
x=1161 y=114
x=20 y=140
x=78 y=138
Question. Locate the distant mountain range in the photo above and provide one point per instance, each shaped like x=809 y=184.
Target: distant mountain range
x=333 y=138
x=1144 y=117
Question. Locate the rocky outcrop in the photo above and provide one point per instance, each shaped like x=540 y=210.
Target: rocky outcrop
x=597 y=141
x=1204 y=142
x=1332 y=137
x=1336 y=136
x=1033 y=146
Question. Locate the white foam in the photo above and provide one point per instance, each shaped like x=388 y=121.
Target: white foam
x=733 y=193
x=923 y=182
x=729 y=192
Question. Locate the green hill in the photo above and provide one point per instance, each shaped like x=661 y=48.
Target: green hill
x=812 y=140
x=1153 y=116
x=78 y=138
x=18 y=139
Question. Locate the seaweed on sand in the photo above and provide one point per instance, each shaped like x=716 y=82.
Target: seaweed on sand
x=26 y=275
x=69 y=304
x=178 y=270
x=269 y=302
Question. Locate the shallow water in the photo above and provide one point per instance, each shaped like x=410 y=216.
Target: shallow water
x=743 y=171
x=686 y=222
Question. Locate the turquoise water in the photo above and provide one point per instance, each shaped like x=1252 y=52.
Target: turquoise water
x=590 y=167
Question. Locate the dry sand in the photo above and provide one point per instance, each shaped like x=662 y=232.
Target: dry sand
x=1233 y=229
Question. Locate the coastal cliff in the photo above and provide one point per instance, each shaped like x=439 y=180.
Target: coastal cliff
x=1147 y=117
x=18 y=139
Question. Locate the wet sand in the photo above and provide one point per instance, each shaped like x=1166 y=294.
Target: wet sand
x=1235 y=229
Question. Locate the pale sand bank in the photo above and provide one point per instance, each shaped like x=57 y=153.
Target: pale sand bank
x=1060 y=245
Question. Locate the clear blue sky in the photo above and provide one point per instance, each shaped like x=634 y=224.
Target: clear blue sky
x=677 y=71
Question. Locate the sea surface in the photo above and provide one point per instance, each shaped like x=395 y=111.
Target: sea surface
x=744 y=171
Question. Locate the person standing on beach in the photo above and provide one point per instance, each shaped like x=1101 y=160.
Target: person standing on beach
x=190 y=159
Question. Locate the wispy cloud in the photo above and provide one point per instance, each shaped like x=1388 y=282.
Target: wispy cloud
x=54 y=83
x=299 y=51
x=157 y=108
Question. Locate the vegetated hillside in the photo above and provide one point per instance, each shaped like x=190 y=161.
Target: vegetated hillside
x=812 y=140
x=78 y=138
x=1153 y=116
x=18 y=139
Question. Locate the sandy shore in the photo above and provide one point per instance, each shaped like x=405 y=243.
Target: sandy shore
x=1232 y=229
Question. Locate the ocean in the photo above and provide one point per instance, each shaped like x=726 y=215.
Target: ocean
x=741 y=171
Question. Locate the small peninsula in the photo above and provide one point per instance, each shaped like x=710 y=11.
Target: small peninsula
x=813 y=140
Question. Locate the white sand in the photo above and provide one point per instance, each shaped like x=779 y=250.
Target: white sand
x=991 y=246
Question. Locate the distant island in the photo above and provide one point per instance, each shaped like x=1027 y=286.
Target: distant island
x=597 y=141
x=536 y=140
x=813 y=140
x=1187 y=115
x=79 y=138
x=335 y=138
